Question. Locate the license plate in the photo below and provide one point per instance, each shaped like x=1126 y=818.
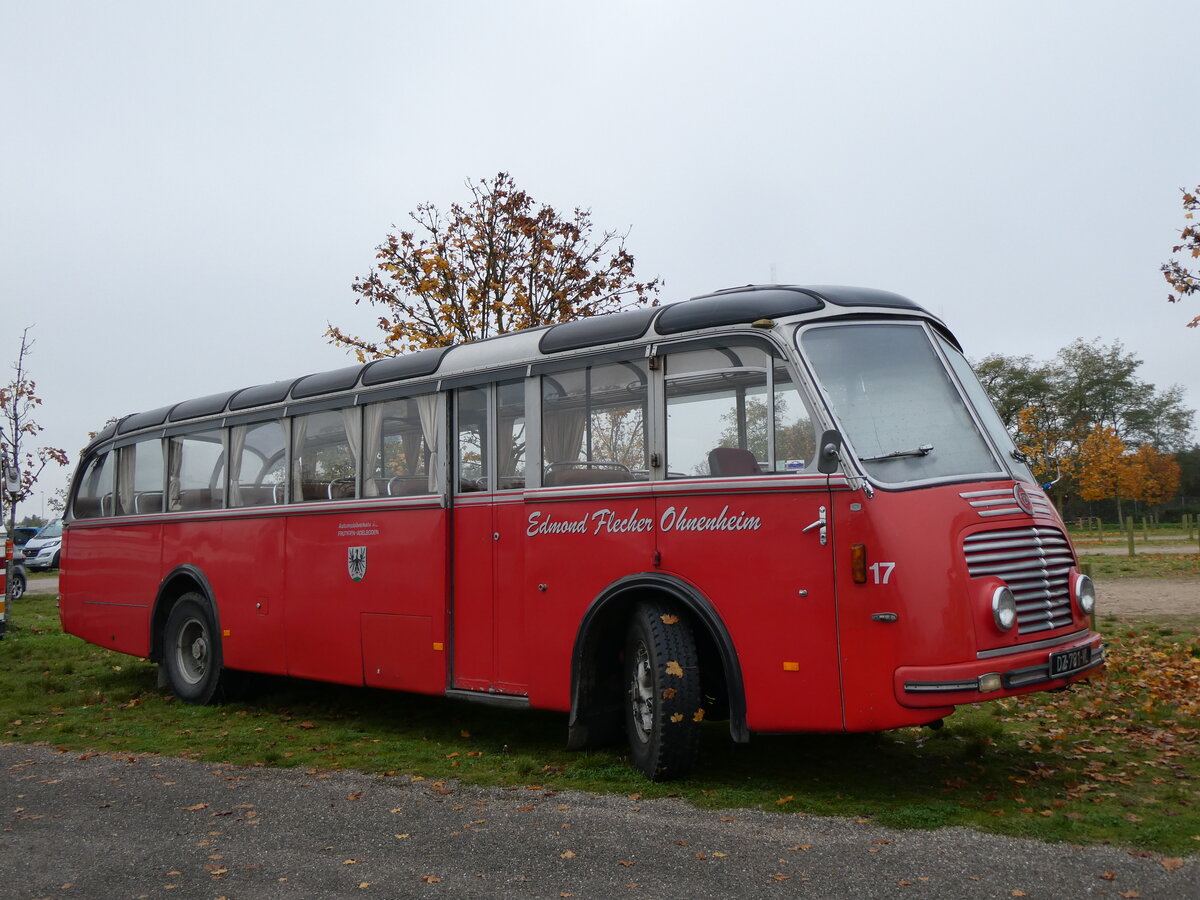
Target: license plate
x=1068 y=661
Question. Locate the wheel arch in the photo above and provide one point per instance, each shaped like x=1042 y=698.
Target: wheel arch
x=594 y=717
x=179 y=581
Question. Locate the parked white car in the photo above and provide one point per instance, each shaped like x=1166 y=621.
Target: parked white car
x=42 y=551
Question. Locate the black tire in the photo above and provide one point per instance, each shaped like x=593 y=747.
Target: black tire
x=663 y=705
x=191 y=652
x=54 y=562
x=17 y=591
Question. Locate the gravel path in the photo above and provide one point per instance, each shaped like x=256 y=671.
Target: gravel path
x=97 y=825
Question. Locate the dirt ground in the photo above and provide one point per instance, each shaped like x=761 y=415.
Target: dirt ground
x=1148 y=597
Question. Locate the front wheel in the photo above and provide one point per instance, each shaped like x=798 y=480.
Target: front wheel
x=192 y=651
x=17 y=591
x=663 y=708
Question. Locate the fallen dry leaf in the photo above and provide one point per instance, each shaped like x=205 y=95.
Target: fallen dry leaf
x=669 y=618
x=569 y=854
x=673 y=668
x=1171 y=863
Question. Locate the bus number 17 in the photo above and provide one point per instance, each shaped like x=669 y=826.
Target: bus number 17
x=882 y=571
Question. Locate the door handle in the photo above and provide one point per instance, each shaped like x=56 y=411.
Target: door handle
x=821 y=524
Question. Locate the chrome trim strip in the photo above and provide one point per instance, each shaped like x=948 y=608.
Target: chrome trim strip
x=1036 y=645
x=776 y=484
x=941 y=687
x=178 y=517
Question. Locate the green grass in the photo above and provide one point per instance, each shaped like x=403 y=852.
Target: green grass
x=1115 y=761
x=1113 y=531
x=1146 y=565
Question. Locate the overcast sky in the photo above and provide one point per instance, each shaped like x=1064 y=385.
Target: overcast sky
x=190 y=188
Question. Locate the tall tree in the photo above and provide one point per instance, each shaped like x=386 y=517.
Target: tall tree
x=1095 y=385
x=501 y=263
x=1150 y=476
x=1040 y=438
x=18 y=431
x=1100 y=467
x=1015 y=383
x=1184 y=281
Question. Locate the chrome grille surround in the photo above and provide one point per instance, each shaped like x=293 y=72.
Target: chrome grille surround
x=1035 y=562
x=1002 y=502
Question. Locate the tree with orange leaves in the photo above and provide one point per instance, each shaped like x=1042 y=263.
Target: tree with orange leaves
x=501 y=263
x=1099 y=466
x=1184 y=281
x=1150 y=476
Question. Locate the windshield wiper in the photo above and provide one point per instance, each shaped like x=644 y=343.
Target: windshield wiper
x=923 y=450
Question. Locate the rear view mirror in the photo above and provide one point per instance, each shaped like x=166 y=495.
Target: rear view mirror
x=829 y=454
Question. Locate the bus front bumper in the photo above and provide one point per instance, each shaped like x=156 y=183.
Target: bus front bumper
x=987 y=679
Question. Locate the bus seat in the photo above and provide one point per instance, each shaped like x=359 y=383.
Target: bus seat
x=314 y=490
x=341 y=489
x=732 y=461
x=86 y=507
x=148 y=502
x=408 y=486
x=197 y=498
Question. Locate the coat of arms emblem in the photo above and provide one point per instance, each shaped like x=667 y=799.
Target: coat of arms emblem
x=356 y=562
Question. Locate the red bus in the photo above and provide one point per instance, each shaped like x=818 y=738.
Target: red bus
x=791 y=508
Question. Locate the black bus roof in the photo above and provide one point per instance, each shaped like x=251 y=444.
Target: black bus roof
x=729 y=307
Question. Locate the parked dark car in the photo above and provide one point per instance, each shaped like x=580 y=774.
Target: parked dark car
x=23 y=533
x=19 y=581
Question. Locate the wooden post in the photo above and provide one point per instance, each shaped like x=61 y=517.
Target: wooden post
x=1100 y=528
x=1145 y=530
x=1129 y=534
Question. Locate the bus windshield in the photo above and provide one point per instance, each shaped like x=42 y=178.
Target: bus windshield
x=899 y=408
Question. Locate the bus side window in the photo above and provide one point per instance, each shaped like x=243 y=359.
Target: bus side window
x=95 y=496
x=324 y=459
x=257 y=464
x=734 y=411
x=795 y=433
x=196 y=471
x=398 y=450
x=594 y=424
x=140 y=478
x=510 y=437
x=471 y=457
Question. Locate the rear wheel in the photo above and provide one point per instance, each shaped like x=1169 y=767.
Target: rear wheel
x=663 y=708
x=192 y=651
x=17 y=591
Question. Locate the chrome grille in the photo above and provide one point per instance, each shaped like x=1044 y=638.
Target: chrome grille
x=1003 y=502
x=1035 y=564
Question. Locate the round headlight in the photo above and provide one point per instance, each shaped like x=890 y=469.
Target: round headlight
x=1004 y=608
x=1085 y=594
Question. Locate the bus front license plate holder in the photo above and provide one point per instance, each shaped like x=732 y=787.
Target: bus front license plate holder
x=1067 y=661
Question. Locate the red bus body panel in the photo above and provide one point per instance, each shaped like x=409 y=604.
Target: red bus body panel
x=501 y=613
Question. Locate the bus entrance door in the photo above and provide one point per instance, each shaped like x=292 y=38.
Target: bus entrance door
x=487 y=617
